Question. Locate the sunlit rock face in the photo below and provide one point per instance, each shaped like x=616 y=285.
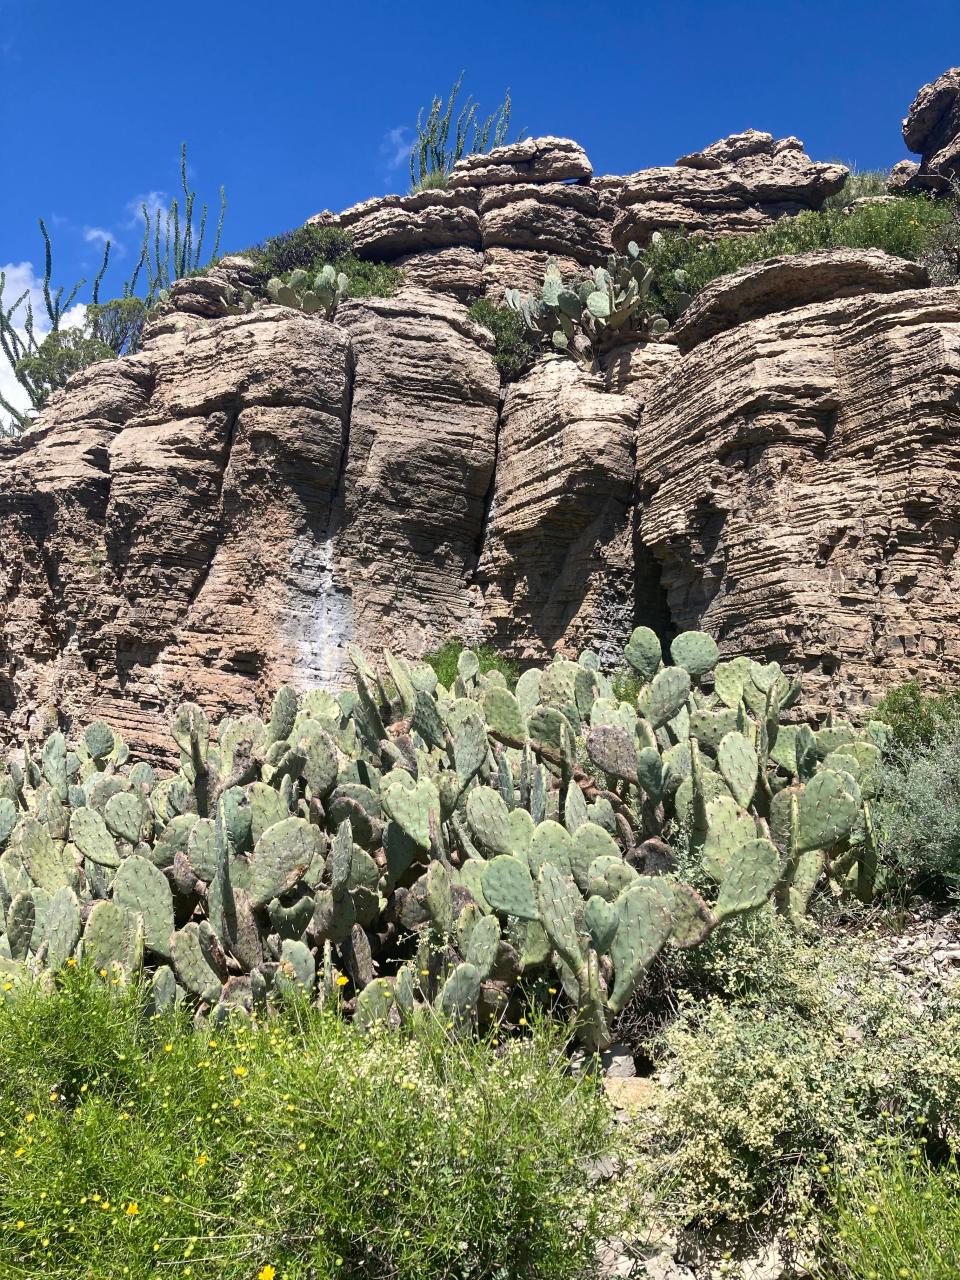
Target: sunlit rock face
x=235 y=505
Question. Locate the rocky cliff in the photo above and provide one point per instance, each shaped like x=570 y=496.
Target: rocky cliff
x=235 y=504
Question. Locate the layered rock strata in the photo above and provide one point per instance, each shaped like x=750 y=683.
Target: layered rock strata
x=236 y=504
x=798 y=482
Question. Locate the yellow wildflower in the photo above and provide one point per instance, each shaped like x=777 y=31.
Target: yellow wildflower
x=342 y=980
x=202 y=1160
x=72 y=962
x=168 y=1048
x=267 y=1273
x=132 y=1209
x=239 y=1071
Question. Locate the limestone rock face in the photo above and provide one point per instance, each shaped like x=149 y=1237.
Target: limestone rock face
x=457 y=271
x=555 y=218
x=780 y=284
x=532 y=160
x=152 y=520
x=423 y=429
x=408 y=224
x=932 y=131
x=211 y=518
x=555 y=565
x=798 y=482
x=233 y=506
x=738 y=184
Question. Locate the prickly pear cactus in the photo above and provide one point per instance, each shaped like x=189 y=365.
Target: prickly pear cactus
x=491 y=835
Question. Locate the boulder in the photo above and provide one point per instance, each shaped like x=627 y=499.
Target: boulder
x=780 y=284
x=736 y=185
x=932 y=131
x=532 y=160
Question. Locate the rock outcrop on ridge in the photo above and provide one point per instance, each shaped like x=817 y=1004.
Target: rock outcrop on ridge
x=932 y=131
x=233 y=506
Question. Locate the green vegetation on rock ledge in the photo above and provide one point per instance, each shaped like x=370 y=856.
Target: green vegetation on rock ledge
x=516 y=347
x=314 y=246
x=434 y=153
x=905 y=226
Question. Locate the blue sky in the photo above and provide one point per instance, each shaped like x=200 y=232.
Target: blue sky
x=298 y=106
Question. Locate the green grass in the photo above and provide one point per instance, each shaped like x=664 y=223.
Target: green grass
x=900 y=1220
x=444 y=662
x=135 y=1148
x=905 y=227
x=860 y=184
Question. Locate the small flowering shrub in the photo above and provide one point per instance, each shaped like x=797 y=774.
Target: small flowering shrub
x=132 y=1147
x=774 y=1094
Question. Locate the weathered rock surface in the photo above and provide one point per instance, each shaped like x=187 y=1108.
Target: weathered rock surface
x=553 y=219
x=932 y=131
x=736 y=185
x=415 y=223
x=532 y=160
x=150 y=521
x=456 y=270
x=798 y=482
x=230 y=508
x=552 y=569
x=780 y=284
x=209 y=519
x=423 y=429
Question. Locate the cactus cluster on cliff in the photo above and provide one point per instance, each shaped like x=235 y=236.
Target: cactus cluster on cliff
x=584 y=317
x=407 y=844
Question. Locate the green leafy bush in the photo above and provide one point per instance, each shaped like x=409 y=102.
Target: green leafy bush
x=118 y=323
x=61 y=354
x=312 y=247
x=515 y=347
x=899 y=1218
x=774 y=1094
x=684 y=264
x=917 y=718
x=131 y=1147
x=307 y=248
x=444 y=662
x=917 y=816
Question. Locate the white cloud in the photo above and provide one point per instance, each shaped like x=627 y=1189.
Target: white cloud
x=155 y=201
x=396 y=147
x=98 y=235
x=20 y=278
